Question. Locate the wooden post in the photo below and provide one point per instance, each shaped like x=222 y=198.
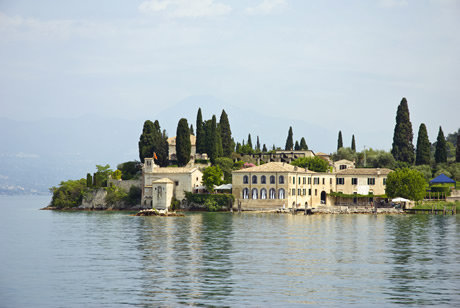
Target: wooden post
x=444 y=211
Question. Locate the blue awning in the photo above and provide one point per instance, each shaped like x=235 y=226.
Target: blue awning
x=442 y=179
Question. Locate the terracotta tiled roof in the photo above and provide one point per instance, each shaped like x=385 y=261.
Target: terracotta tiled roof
x=274 y=167
x=173 y=170
x=163 y=180
x=364 y=171
x=344 y=161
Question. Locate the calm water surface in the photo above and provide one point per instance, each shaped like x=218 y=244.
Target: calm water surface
x=99 y=259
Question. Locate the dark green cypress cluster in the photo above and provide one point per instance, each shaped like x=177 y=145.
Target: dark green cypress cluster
x=183 y=145
x=422 y=153
x=200 y=133
x=153 y=140
x=353 y=143
x=440 y=155
x=226 y=135
x=339 y=141
x=403 y=148
x=289 y=141
x=303 y=144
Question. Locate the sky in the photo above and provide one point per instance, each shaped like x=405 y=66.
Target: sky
x=323 y=65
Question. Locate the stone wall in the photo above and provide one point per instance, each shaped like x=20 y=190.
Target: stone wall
x=125 y=185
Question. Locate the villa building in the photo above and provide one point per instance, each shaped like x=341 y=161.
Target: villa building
x=159 y=185
x=275 y=185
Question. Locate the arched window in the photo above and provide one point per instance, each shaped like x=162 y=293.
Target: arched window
x=272 y=193
x=272 y=179
x=254 y=179
x=246 y=193
x=263 y=193
x=263 y=179
x=254 y=193
x=281 y=180
x=245 y=179
x=281 y=193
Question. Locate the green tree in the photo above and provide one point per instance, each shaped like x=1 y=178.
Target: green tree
x=343 y=153
x=312 y=163
x=264 y=149
x=192 y=132
x=89 y=180
x=457 y=155
x=440 y=155
x=425 y=170
x=303 y=144
x=258 y=145
x=403 y=149
x=289 y=141
x=102 y=175
x=353 y=143
x=297 y=146
x=212 y=176
x=226 y=165
x=147 y=140
x=69 y=194
x=116 y=175
x=406 y=183
x=226 y=135
x=249 y=141
x=422 y=153
x=339 y=141
x=129 y=170
x=220 y=148
x=183 y=146
x=200 y=133
x=211 y=138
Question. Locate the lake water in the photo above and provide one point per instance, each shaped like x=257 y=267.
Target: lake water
x=102 y=259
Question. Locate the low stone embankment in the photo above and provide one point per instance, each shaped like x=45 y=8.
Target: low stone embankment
x=345 y=210
x=154 y=212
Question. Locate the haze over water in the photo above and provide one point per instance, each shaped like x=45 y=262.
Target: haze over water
x=76 y=259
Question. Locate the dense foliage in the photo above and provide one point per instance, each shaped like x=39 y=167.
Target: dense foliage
x=69 y=194
x=226 y=165
x=129 y=170
x=289 y=140
x=403 y=148
x=353 y=143
x=221 y=200
x=212 y=176
x=422 y=154
x=440 y=155
x=226 y=135
x=339 y=141
x=406 y=183
x=303 y=144
x=312 y=163
x=152 y=140
x=200 y=133
x=211 y=138
x=183 y=145
x=457 y=156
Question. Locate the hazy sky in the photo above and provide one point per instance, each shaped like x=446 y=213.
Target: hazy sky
x=344 y=65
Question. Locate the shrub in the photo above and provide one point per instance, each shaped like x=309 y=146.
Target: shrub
x=222 y=200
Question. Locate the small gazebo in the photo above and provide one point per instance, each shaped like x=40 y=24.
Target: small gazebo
x=443 y=179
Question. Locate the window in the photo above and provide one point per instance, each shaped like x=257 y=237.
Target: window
x=340 y=181
x=343 y=167
x=309 y=191
x=304 y=180
x=316 y=192
x=299 y=180
x=299 y=192
x=281 y=193
x=330 y=181
x=309 y=181
x=324 y=180
x=370 y=181
x=272 y=179
x=272 y=193
x=246 y=193
x=293 y=191
x=245 y=179
x=263 y=193
x=177 y=183
x=293 y=180
x=384 y=181
x=254 y=193
x=354 y=181
x=304 y=192
x=281 y=180
x=316 y=181
x=263 y=179
x=254 y=179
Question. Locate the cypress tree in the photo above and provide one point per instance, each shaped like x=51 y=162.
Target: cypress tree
x=289 y=141
x=258 y=144
x=211 y=138
x=219 y=149
x=297 y=146
x=339 y=141
x=183 y=146
x=457 y=157
x=440 y=155
x=403 y=148
x=303 y=144
x=264 y=149
x=249 y=141
x=422 y=153
x=192 y=132
x=89 y=180
x=226 y=135
x=147 y=140
x=200 y=133
x=160 y=145
x=353 y=144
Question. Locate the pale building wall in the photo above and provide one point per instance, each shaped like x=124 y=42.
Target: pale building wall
x=162 y=193
x=362 y=186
